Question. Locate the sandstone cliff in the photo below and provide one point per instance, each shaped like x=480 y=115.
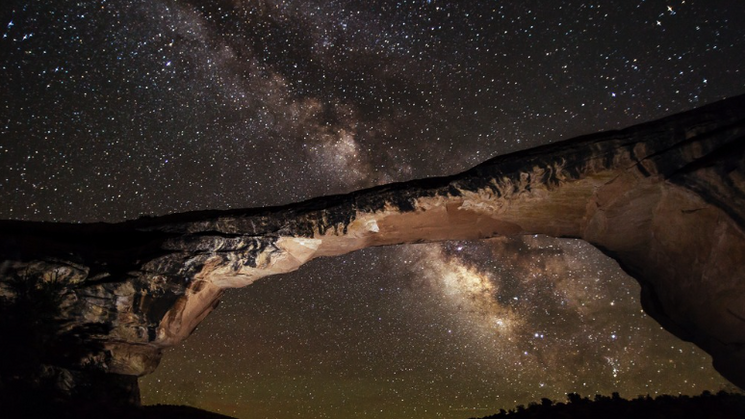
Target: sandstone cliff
x=666 y=199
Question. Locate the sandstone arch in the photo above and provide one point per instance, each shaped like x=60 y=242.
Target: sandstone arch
x=666 y=199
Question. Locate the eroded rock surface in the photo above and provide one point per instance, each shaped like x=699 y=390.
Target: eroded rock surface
x=666 y=199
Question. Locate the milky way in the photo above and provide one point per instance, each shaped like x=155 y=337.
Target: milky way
x=116 y=109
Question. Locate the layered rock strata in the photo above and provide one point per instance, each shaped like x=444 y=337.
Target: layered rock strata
x=666 y=199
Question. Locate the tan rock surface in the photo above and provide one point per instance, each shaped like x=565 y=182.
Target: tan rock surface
x=666 y=199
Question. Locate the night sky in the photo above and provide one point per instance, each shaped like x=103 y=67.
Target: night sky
x=110 y=110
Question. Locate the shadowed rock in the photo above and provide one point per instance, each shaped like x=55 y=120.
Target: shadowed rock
x=666 y=199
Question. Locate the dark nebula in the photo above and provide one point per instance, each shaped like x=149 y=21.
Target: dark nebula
x=110 y=110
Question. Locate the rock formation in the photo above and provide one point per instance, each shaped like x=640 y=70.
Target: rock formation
x=666 y=199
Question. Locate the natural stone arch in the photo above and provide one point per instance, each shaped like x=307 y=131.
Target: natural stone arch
x=665 y=199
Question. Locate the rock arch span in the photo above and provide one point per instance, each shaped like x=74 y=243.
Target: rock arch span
x=666 y=199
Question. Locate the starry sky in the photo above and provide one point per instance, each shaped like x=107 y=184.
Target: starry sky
x=110 y=110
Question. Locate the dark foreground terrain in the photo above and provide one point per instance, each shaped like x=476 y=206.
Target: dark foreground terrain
x=720 y=406
x=65 y=411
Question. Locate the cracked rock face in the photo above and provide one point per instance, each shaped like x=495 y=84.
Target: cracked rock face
x=666 y=199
